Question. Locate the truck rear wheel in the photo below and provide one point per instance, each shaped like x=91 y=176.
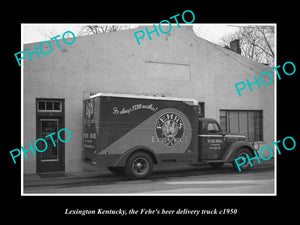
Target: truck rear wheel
x=242 y=152
x=139 y=165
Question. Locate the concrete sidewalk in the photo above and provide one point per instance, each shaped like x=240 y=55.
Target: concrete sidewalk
x=103 y=174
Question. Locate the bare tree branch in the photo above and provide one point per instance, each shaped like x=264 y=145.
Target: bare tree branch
x=96 y=29
x=256 y=42
x=267 y=41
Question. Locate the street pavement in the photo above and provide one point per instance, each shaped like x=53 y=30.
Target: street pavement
x=179 y=180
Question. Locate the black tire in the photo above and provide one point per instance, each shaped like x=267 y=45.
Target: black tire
x=242 y=153
x=139 y=165
x=116 y=170
x=216 y=165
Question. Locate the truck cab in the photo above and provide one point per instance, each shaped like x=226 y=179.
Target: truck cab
x=217 y=147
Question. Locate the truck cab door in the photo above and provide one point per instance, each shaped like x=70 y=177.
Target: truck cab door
x=210 y=141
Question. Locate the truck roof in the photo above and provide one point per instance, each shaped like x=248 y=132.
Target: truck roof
x=188 y=100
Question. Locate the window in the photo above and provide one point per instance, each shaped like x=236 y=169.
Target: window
x=49 y=105
x=248 y=122
x=56 y=106
x=213 y=128
x=201 y=110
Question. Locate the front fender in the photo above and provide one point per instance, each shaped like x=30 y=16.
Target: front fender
x=231 y=150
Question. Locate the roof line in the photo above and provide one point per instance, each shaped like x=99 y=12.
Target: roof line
x=243 y=60
x=195 y=102
x=230 y=54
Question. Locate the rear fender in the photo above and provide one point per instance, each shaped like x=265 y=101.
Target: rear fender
x=231 y=150
x=123 y=159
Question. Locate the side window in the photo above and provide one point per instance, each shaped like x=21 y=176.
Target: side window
x=213 y=128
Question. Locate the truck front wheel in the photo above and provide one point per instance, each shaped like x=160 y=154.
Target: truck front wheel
x=242 y=152
x=139 y=165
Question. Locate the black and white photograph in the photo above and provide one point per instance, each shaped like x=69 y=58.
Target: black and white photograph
x=155 y=109
x=175 y=112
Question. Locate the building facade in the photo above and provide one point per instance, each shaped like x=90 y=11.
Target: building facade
x=178 y=64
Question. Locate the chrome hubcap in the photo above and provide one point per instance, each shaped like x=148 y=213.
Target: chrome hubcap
x=140 y=166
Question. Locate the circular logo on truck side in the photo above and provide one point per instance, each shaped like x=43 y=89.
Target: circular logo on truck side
x=169 y=129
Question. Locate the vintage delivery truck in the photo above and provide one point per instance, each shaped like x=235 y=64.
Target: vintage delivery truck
x=129 y=134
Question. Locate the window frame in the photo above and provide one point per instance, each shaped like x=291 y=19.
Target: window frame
x=201 y=112
x=45 y=101
x=258 y=126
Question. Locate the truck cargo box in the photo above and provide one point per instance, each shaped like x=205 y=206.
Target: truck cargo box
x=115 y=125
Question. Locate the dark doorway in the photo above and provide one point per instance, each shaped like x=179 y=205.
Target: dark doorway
x=50 y=119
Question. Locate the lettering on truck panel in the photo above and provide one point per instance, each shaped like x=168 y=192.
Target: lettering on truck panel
x=166 y=131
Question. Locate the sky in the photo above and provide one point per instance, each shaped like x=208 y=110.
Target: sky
x=34 y=32
x=214 y=32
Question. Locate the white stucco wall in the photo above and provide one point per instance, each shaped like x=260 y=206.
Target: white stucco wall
x=178 y=64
